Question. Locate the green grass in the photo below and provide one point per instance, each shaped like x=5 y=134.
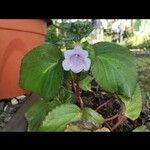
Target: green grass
x=143 y=65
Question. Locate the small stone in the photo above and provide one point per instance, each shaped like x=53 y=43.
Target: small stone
x=14 y=101
x=103 y=93
x=21 y=97
x=5 y=108
x=11 y=110
x=102 y=130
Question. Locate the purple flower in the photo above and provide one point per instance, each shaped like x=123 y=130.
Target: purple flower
x=76 y=60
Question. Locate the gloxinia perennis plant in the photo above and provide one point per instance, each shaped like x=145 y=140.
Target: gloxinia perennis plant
x=67 y=69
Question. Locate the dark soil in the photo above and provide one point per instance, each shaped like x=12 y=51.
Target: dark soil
x=97 y=97
x=112 y=108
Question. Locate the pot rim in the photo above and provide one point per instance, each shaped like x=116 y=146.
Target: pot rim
x=37 y=26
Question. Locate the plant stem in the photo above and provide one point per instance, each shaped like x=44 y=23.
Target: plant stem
x=111 y=118
x=104 y=104
x=122 y=118
x=78 y=92
x=108 y=126
x=73 y=86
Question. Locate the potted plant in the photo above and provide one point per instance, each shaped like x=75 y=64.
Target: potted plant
x=83 y=86
x=17 y=36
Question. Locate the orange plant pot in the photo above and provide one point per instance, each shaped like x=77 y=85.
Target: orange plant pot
x=17 y=37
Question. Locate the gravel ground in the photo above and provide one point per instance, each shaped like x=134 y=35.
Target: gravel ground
x=8 y=107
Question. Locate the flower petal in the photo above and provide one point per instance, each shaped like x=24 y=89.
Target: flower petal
x=76 y=63
x=77 y=69
x=66 y=64
x=68 y=53
x=86 y=64
x=76 y=60
x=78 y=50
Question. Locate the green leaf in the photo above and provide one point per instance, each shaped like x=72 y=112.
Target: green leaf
x=83 y=75
x=114 y=68
x=67 y=76
x=36 y=114
x=88 y=47
x=80 y=126
x=38 y=111
x=75 y=31
x=85 y=84
x=41 y=71
x=51 y=35
x=81 y=29
x=58 y=118
x=133 y=106
x=67 y=79
x=140 y=129
x=70 y=45
x=65 y=96
x=92 y=116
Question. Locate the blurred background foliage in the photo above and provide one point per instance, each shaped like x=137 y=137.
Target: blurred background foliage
x=132 y=33
x=64 y=34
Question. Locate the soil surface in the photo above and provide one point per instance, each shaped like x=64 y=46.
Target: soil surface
x=112 y=111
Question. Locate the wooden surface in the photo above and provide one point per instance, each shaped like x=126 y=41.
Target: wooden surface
x=18 y=122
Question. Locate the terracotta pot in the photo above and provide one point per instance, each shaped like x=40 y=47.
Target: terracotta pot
x=17 y=37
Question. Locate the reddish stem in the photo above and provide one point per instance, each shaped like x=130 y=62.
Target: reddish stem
x=121 y=119
x=78 y=93
x=111 y=118
x=108 y=126
x=73 y=86
x=76 y=89
x=104 y=104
